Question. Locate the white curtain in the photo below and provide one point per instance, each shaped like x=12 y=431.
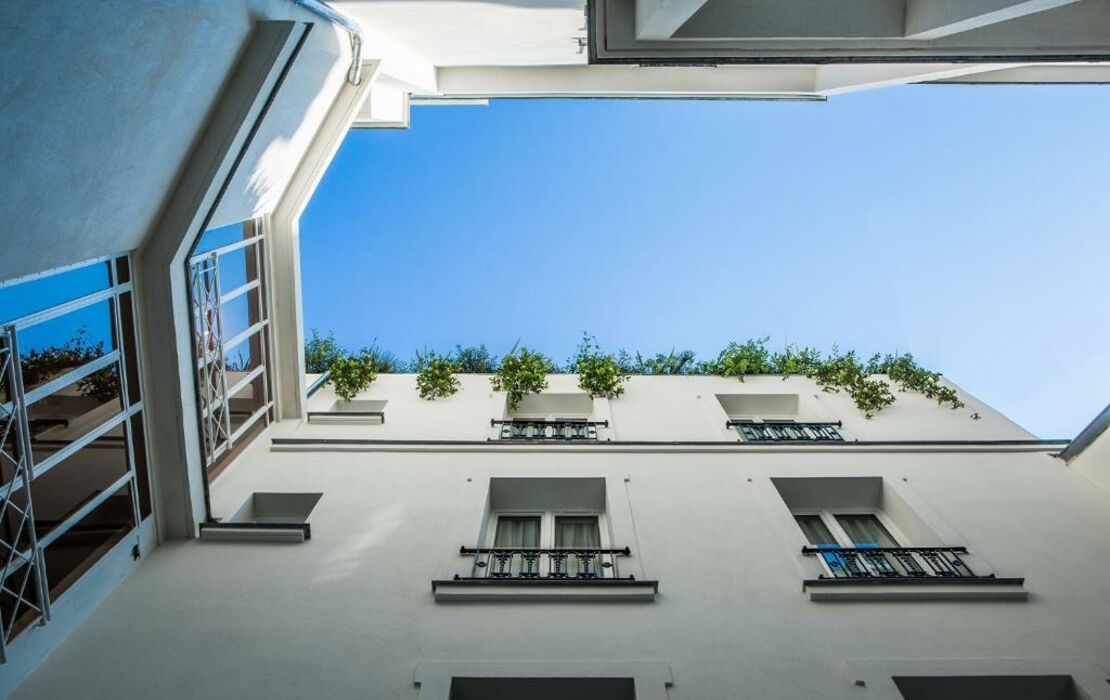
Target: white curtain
x=517 y=532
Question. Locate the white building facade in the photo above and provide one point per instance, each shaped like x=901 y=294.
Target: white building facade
x=183 y=515
x=695 y=537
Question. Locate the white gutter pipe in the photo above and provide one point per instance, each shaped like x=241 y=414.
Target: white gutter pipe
x=321 y=8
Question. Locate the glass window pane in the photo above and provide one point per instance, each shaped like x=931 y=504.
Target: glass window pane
x=236 y=268
x=30 y=297
x=239 y=314
x=247 y=400
x=815 y=530
x=52 y=348
x=130 y=352
x=123 y=269
x=72 y=411
x=71 y=555
x=142 y=476
x=216 y=237
x=17 y=612
x=866 y=531
x=516 y=532
x=578 y=532
x=76 y=480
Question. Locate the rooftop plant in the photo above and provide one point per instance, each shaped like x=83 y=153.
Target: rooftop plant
x=351 y=375
x=520 y=373
x=599 y=374
x=523 y=371
x=475 y=359
x=436 y=378
x=320 y=352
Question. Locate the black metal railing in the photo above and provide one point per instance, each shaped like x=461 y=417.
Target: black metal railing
x=557 y=564
x=548 y=430
x=901 y=563
x=786 y=432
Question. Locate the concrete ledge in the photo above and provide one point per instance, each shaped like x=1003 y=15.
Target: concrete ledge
x=252 y=532
x=833 y=590
x=487 y=590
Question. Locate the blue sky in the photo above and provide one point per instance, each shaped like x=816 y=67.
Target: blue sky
x=967 y=225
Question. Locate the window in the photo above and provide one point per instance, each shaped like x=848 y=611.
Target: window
x=550 y=531
x=845 y=529
x=229 y=298
x=73 y=457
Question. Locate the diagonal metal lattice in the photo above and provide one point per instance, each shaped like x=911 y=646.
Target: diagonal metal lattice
x=22 y=589
x=209 y=340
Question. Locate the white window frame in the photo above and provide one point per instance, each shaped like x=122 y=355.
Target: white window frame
x=828 y=516
x=547 y=524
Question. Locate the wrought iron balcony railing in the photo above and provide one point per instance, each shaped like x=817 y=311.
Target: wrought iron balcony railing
x=900 y=564
x=787 y=432
x=558 y=564
x=548 y=430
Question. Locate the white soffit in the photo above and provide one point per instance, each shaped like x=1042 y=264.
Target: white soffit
x=477 y=32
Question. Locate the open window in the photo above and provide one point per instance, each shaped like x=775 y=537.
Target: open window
x=868 y=542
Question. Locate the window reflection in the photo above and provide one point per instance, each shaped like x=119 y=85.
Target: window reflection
x=71 y=555
x=74 y=410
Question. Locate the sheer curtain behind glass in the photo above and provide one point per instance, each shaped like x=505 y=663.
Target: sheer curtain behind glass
x=579 y=532
x=517 y=532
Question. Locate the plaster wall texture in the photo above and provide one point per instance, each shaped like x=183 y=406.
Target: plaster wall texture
x=101 y=103
x=1094 y=462
x=658 y=408
x=351 y=613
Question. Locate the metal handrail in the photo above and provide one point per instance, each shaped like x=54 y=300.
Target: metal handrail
x=894 y=563
x=564 y=564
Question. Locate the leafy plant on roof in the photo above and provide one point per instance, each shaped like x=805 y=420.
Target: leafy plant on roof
x=599 y=374
x=844 y=372
x=320 y=352
x=740 y=359
x=668 y=363
x=475 y=359
x=520 y=373
x=436 y=378
x=383 y=361
x=352 y=375
x=904 y=371
x=794 y=360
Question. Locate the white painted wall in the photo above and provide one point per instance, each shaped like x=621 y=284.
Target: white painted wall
x=350 y=614
x=655 y=408
x=1094 y=462
x=101 y=102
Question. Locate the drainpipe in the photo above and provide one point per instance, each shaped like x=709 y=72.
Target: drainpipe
x=322 y=9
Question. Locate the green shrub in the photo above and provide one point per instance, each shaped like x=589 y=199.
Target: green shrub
x=475 y=359
x=436 y=378
x=320 y=352
x=845 y=372
x=599 y=374
x=381 y=360
x=904 y=371
x=669 y=363
x=520 y=373
x=737 y=360
x=351 y=375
